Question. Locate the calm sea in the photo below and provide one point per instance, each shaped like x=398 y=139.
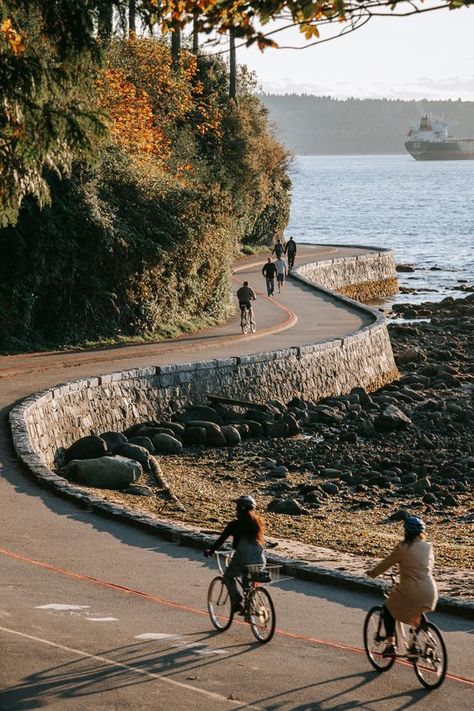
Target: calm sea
x=424 y=211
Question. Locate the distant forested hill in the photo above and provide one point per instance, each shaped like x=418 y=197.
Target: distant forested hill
x=320 y=124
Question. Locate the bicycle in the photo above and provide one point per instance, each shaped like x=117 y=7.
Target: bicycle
x=426 y=645
x=258 y=608
x=245 y=323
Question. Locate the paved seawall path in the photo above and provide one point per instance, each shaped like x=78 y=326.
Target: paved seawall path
x=284 y=321
x=98 y=615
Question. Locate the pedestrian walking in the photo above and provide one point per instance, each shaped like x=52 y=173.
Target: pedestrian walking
x=290 y=250
x=278 y=249
x=282 y=271
x=269 y=271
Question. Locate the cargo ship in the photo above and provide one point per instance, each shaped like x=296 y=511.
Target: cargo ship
x=431 y=140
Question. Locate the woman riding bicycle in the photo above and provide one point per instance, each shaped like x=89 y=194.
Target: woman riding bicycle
x=416 y=591
x=248 y=531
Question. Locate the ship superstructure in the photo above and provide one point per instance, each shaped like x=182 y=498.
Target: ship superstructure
x=431 y=140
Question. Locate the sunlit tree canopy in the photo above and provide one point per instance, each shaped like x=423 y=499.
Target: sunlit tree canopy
x=256 y=21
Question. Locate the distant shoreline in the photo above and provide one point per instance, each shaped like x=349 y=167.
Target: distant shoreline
x=321 y=125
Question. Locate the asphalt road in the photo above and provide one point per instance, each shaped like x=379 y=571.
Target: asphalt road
x=97 y=615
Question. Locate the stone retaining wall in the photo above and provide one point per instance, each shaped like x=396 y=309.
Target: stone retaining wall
x=55 y=418
x=362 y=277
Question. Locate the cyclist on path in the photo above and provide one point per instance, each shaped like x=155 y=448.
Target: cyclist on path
x=416 y=591
x=245 y=296
x=247 y=531
x=269 y=272
x=290 y=250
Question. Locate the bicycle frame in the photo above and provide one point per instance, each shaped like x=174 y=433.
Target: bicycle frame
x=422 y=645
x=258 y=609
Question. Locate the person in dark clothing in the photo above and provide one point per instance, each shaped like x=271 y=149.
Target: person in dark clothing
x=290 y=250
x=278 y=249
x=245 y=296
x=247 y=532
x=269 y=272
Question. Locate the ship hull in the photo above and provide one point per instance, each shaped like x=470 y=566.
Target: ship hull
x=450 y=150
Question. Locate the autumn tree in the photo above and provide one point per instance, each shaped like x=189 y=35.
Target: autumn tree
x=254 y=20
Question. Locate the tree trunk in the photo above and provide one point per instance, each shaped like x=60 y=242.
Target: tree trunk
x=176 y=47
x=132 y=17
x=232 y=66
x=195 y=38
x=105 y=20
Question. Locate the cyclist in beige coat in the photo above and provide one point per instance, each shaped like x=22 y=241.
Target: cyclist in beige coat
x=416 y=591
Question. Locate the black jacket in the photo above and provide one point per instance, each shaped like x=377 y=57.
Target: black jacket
x=269 y=270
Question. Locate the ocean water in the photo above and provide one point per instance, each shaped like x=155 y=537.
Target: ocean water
x=424 y=211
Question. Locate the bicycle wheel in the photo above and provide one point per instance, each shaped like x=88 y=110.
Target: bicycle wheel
x=219 y=604
x=244 y=322
x=253 y=326
x=375 y=640
x=261 y=615
x=432 y=663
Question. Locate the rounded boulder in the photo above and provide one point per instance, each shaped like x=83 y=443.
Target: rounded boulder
x=135 y=452
x=167 y=444
x=90 y=447
x=143 y=442
x=214 y=435
x=195 y=436
x=231 y=435
x=104 y=472
x=113 y=440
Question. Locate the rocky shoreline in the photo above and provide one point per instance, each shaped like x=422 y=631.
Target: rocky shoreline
x=333 y=492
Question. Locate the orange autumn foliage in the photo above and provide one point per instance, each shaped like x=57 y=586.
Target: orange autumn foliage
x=13 y=38
x=147 y=101
x=132 y=123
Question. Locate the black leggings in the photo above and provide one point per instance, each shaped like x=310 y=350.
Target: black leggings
x=389 y=622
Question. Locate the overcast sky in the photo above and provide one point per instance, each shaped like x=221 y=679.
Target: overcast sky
x=430 y=56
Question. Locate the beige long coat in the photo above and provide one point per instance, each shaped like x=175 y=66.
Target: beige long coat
x=416 y=591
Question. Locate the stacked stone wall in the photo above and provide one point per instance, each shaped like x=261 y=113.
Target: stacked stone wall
x=363 y=277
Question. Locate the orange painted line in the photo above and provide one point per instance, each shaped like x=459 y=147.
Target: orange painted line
x=98 y=581
x=187 y=608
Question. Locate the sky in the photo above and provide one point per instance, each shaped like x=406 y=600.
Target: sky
x=430 y=56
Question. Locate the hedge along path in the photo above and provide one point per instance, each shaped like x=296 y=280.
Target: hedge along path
x=13 y=366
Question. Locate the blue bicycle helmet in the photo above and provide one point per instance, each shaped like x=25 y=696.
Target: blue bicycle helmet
x=246 y=503
x=414 y=525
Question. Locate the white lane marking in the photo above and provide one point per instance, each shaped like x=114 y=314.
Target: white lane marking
x=102 y=619
x=157 y=635
x=57 y=606
x=136 y=670
x=196 y=647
